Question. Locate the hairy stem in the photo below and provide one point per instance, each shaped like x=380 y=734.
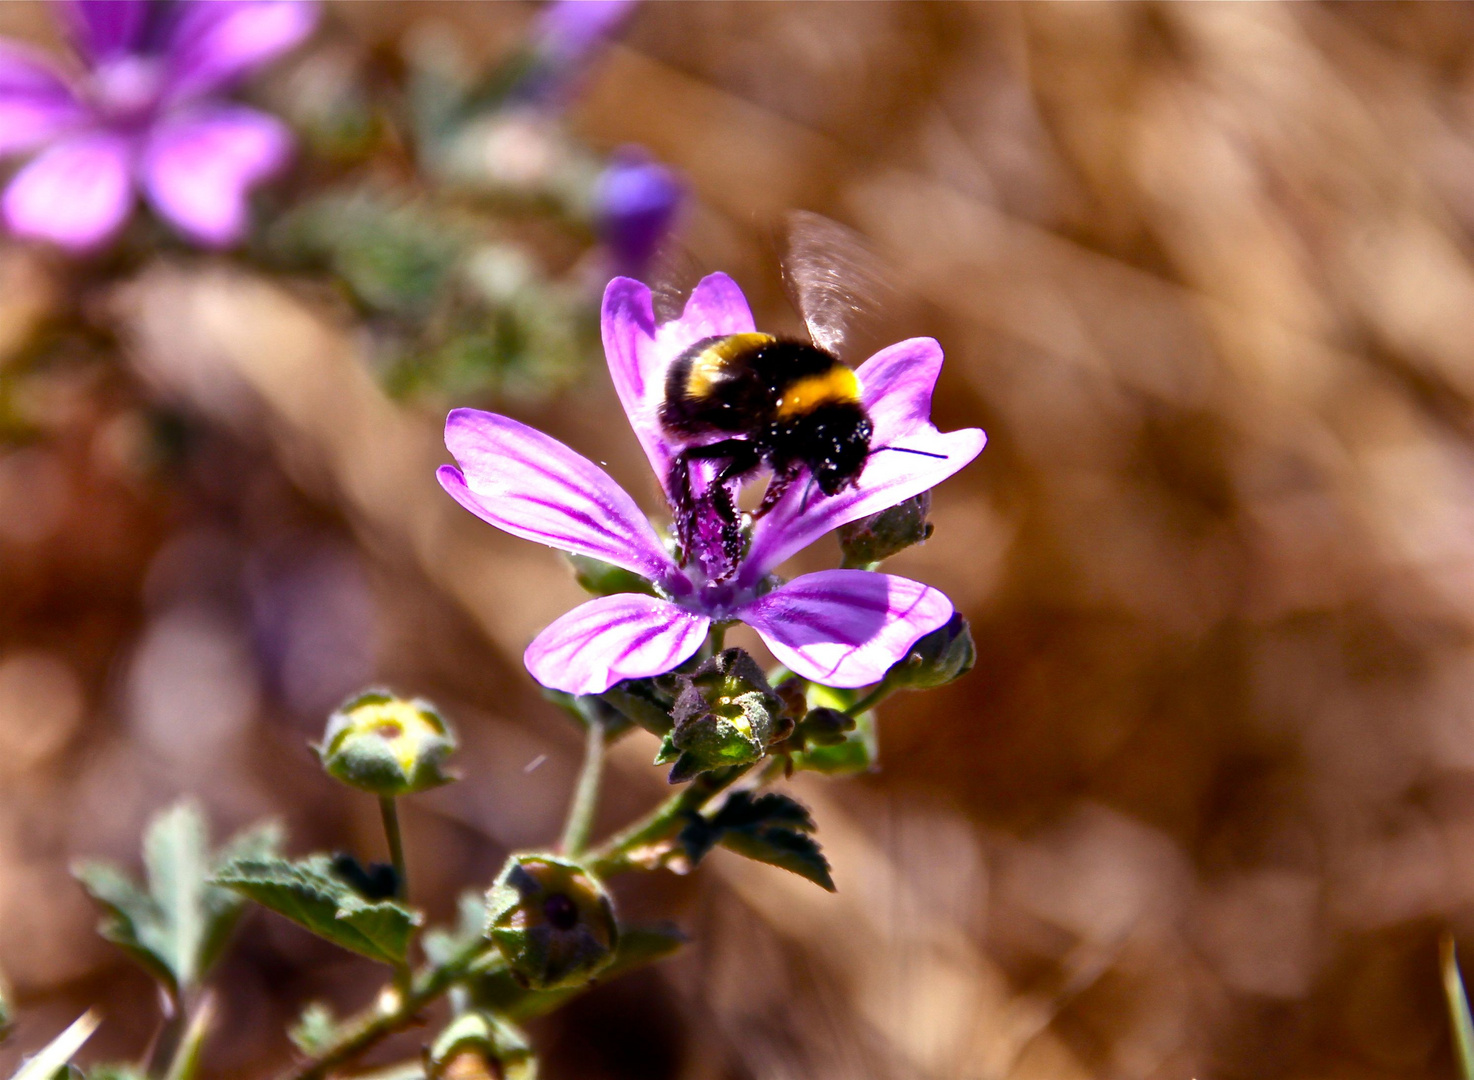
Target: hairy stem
x=870 y=700
x=389 y=808
x=664 y=821
x=393 y=1012
x=586 y=795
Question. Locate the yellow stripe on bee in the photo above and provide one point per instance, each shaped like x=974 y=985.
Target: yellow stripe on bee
x=804 y=395
x=710 y=365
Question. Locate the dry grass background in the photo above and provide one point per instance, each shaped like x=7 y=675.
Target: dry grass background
x=1204 y=274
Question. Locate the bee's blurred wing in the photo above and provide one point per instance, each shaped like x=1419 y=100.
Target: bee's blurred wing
x=674 y=272
x=837 y=282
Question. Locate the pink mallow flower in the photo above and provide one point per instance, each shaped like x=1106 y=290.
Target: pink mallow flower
x=144 y=114
x=842 y=628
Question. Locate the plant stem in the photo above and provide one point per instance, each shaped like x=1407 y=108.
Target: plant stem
x=612 y=857
x=586 y=795
x=389 y=808
x=870 y=700
x=718 y=637
x=367 y=1029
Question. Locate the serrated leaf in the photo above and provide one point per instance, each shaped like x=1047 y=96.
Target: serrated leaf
x=57 y=1054
x=177 y=924
x=497 y=991
x=308 y=893
x=770 y=828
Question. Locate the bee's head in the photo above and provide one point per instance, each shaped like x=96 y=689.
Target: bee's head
x=839 y=448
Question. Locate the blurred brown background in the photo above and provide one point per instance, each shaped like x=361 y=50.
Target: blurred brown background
x=1204 y=274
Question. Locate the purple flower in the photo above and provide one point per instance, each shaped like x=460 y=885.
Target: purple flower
x=842 y=628
x=144 y=115
x=636 y=200
x=564 y=40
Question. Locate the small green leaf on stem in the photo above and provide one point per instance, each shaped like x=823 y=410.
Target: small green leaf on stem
x=770 y=828
x=312 y=896
x=315 y=1029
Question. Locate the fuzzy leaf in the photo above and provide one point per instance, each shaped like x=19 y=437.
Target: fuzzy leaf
x=57 y=1054
x=313 y=897
x=770 y=828
x=176 y=924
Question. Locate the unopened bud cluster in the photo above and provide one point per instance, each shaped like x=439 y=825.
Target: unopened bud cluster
x=725 y=713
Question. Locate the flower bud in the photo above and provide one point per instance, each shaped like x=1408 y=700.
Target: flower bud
x=725 y=714
x=879 y=536
x=552 y=921
x=947 y=653
x=482 y=1046
x=386 y=745
x=636 y=201
x=606 y=579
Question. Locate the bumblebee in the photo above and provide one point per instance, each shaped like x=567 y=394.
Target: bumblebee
x=783 y=403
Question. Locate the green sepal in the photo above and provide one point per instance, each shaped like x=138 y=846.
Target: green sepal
x=387 y=745
x=552 y=920
x=606 y=579
x=177 y=924
x=643 y=702
x=770 y=828
x=56 y=1055
x=312 y=896
x=498 y=991
x=488 y=1036
x=315 y=1029
x=857 y=752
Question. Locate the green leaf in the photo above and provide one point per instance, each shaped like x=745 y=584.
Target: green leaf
x=315 y=1029
x=308 y=893
x=1458 y=1008
x=770 y=828
x=177 y=924
x=57 y=1054
x=498 y=992
x=442 y=943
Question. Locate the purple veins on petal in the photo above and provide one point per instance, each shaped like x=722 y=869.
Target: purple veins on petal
x=199 y=168
x=625 y=636
x=105 y=29
x=846 y=628
x=531 y=485
x=76 y=194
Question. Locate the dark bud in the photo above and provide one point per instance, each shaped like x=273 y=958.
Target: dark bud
x=376 y=881
x=482 y=1046
x=552 y=921
x=945 y=654
x=386 y=745
x=644 y=701
x=825 y=727
x=879 y=536
x=725 y=713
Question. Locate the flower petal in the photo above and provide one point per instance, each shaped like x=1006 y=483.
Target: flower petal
x=36 y=104
x=218 y=41
x=845 y=628
x=531 y=485
x=625 y=636
x=897 y=385
x=76 y=194
x=198 y=168
x=104 y=29
x=639 y=353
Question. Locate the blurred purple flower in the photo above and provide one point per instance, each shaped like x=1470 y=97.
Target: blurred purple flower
x=564 y=40
x=636 y=201
x=144 y=114
x=842 y=628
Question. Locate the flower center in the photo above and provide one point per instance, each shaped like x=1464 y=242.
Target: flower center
x=127 y=90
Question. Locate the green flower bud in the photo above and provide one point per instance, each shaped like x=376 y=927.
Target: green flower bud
x=945 y=654
x=725 y=714
x=387 y=746
x=552 y=921
x=482 y=1046
x=606 y=579
x=879 y=536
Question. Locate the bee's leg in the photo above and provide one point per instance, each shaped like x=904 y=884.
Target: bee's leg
x=778 y=487
x=741 y=458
